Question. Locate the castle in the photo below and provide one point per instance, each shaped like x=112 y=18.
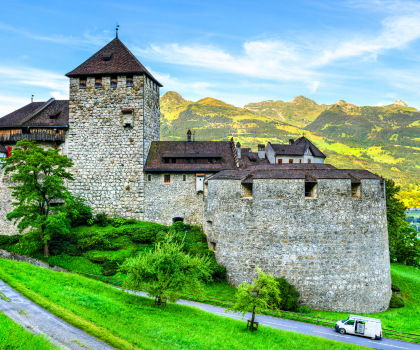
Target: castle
x=280 y=208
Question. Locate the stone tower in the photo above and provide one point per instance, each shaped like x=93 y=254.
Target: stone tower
x=113 y=118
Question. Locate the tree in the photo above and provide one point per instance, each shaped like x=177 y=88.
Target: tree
x=404 y=246
x=39 y=176
x=263 y=293
x=167 y=271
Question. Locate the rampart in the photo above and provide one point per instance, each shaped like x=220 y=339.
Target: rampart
x=333 y=248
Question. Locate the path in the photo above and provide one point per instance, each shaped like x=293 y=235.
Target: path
x=305 y=328
x=36 y=319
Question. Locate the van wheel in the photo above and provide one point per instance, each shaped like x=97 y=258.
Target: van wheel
x=378 y=337
x=342 y=331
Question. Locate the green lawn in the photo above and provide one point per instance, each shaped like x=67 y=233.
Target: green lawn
x=15 y=337
x=127 y=321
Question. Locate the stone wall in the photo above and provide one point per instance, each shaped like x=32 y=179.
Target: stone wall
x=165 y=201
x=333 y=248
x=108 y=156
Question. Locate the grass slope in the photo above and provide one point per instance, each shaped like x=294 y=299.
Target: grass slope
x=135 y=320
x=15 y=337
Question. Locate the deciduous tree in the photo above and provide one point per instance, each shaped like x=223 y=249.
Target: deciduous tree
x=38 y=175
x=167 y=271
x=263 y=293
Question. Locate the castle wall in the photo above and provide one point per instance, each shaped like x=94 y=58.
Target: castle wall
x=165 y=201
x=333 y=248
x=108 y=156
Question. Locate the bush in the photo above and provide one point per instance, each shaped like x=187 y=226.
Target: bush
x=101 y=219
x=396 y=301
x=304 y=310
x=6 y=240
x=78 y=212
x=117 y=222
x=395 y=288
x=289 y=295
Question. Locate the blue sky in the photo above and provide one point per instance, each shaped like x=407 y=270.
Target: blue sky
x=365 y=52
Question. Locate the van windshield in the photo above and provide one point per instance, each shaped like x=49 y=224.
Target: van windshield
x=344 y=321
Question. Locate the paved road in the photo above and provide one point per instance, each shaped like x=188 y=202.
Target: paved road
x=306 y=328
x=38 y=320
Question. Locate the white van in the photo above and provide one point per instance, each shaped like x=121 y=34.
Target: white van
x=360 y=325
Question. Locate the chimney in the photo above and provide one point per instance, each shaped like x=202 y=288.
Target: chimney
x=32 y=98
x=238 y=150
x=261 y=151
x=291 y=141
x=189 y=135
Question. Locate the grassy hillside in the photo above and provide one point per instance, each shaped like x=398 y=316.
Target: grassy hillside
x=384 y=140
x=15 y=337
x=128 y=321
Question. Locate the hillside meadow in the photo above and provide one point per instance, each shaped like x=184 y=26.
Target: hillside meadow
x=127 y=321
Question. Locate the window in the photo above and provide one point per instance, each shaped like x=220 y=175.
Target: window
x=217 y=161
x=188 y=161
x=149 y=177
x=212 y=245
x=350 y=323
x=356 y=190
x=300 y=160
x=310 y=190
x=210 y=161
x=246 y=190
x=195 y=161
x=309 y=161
x=82 y=83
x=114 y=81
x=291 y=161
x=184 y=177
x=167 y=179
x=26 y=131
x=173 y=160
x=279 y=161
x=98 y=83
x=106 y=56
x=166 y=160
x=382 y=184
x=129 y=81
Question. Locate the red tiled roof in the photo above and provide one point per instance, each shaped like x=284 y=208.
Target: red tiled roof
x=180 y=149
x=38 y=114
x=121 y=61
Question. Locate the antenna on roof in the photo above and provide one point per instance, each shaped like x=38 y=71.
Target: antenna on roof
x=117 y=30
x=32 y=98
x=194 y=135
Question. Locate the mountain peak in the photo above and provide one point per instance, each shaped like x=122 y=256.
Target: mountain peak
x=299 y=100
x=172 y=97
x=400 y=103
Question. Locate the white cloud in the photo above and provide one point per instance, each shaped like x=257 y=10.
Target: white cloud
x=9 y=104
x=88 y=39
x=313 y=86
x=59 y=96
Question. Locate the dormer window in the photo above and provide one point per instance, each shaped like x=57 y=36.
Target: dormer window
x=55 y=116
x=129 y=80
x=114 y=81
x=106 y=57
x=98 y=83
x=82 y=83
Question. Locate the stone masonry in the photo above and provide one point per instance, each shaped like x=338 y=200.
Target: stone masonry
x=333 y=248
x=108 y=156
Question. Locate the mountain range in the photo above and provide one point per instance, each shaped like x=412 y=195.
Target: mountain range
x=382 y=139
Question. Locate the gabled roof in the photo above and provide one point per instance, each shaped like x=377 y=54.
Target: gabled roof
x=182 y=149
x=114 y=58
x=38 y=114
x=298 y=148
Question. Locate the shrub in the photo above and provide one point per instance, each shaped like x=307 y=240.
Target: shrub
x=117 y=222
x=395 y=288
x=6 y=240
x=289 y=295
x=396 y=301
x=101 y=219
x=78 y=212
x=304 y=310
